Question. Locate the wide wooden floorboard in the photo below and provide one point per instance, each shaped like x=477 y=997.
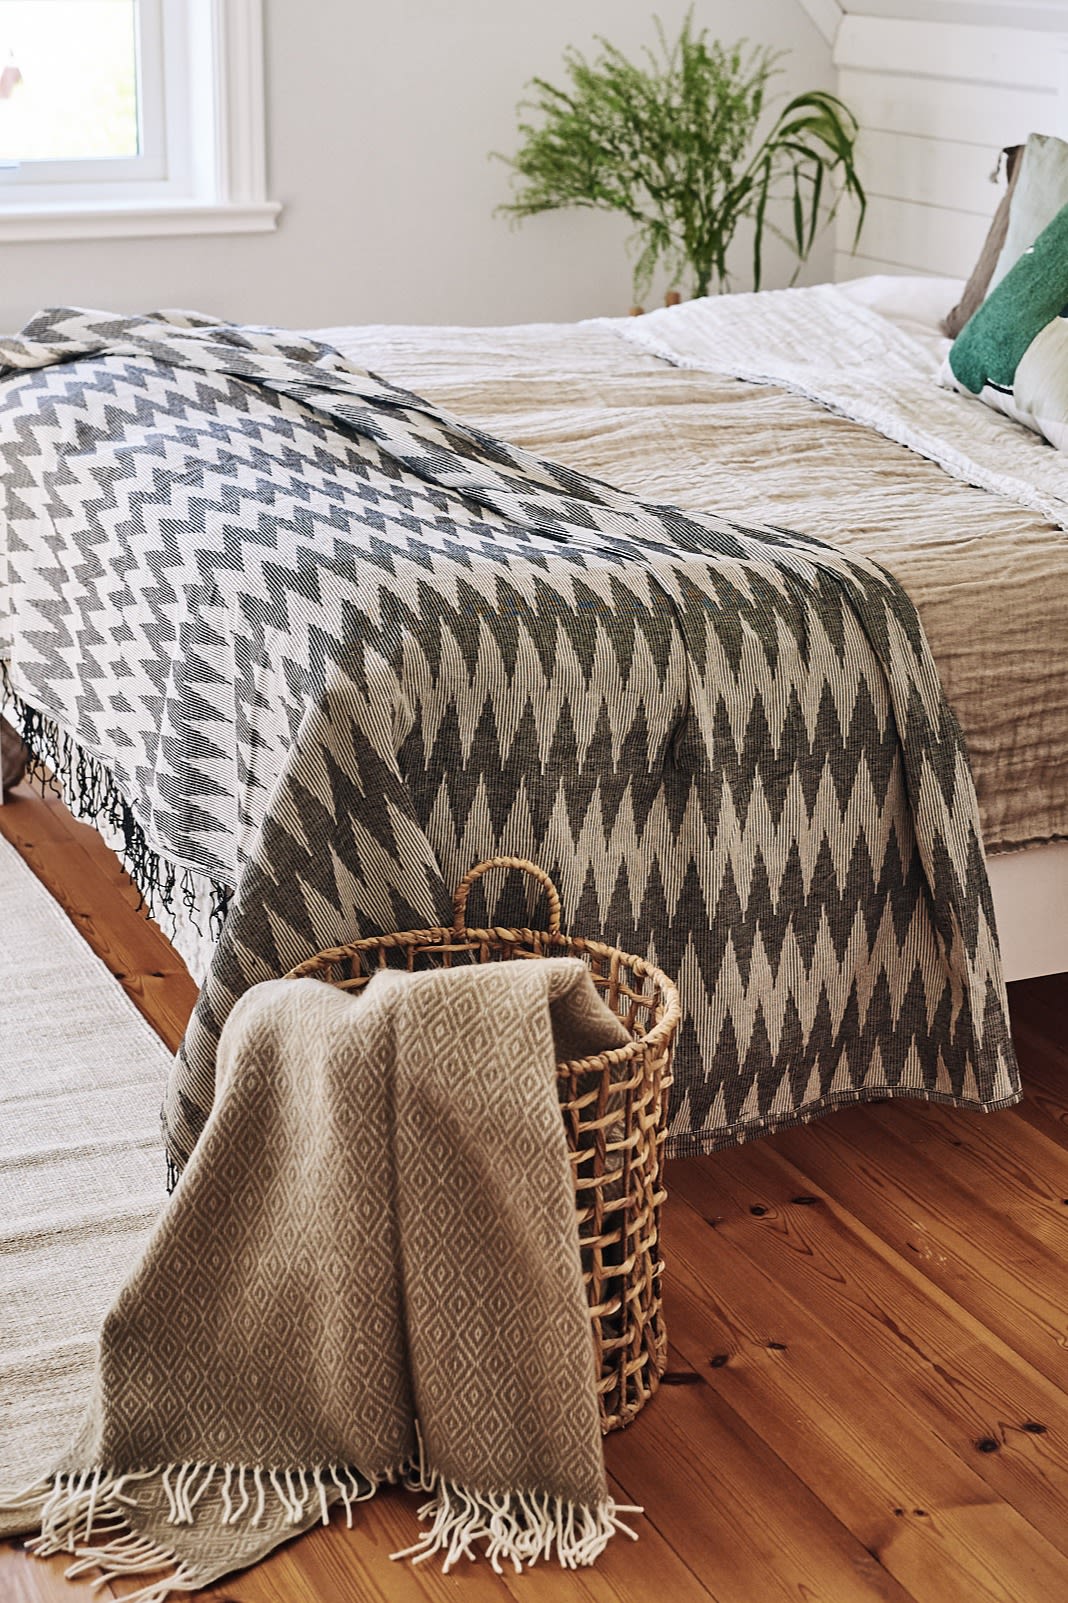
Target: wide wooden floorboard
x=80 y=871
x=1016 y=1285
x=863 y=1451
x=867 y=1399
x=884 y=1328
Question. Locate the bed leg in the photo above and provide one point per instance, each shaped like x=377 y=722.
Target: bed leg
x=13 y=756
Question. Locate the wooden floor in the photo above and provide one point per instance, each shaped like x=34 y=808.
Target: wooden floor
x=868 y=1389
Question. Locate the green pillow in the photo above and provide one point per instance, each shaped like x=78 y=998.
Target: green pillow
x=1012 y=352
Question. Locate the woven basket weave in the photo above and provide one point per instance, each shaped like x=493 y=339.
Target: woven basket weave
x=614 y=1108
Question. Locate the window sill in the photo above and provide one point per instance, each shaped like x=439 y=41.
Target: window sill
x=30 y=224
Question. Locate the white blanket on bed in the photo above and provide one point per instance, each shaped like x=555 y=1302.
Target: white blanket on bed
x=823 y=344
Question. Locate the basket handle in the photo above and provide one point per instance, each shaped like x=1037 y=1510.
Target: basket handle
x=459 y=900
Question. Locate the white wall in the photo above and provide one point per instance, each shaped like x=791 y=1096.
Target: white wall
x=937 y=101
x=380 y=120
x=1036 y=15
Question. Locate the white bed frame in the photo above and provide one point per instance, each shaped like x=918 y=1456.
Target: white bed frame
x=1030 y=891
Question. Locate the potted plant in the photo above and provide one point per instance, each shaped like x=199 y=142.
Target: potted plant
x=672 y=143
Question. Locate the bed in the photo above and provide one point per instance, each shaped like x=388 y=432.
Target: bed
x=988 y=575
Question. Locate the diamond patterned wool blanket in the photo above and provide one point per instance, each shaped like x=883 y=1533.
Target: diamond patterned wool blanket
x=369 y=1272
x=329 y=646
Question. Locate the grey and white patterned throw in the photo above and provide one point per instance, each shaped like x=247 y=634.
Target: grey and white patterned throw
x=328 y=646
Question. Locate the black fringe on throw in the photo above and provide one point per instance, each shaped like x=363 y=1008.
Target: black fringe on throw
x=57 y=763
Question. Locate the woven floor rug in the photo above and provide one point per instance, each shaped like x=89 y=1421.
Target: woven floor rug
x=81 y=1076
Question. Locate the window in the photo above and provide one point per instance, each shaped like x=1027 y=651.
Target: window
x=122 y=117
x=81 y=100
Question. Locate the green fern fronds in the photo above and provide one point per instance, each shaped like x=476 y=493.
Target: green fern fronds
x=671 y=144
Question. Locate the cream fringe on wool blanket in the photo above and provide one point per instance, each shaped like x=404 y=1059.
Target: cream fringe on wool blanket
x=369 y=1272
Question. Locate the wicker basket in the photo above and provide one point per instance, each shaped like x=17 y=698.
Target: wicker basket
x=614 y=1108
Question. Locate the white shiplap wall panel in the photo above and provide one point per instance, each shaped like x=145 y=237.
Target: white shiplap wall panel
x=936 y=102
x=940 y=108
x=849 y=265
x=944 y=173
x=946 y=49
x=913 y=238
x=1046 y=15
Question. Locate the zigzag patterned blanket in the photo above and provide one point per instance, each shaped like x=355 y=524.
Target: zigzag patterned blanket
x=328 y=646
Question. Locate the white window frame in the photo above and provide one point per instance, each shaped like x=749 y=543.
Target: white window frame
x=202 y=165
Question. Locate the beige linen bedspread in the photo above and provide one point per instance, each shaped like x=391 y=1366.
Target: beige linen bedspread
x=989 y=579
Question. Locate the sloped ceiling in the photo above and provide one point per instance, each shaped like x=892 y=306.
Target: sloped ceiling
x=1041 y=15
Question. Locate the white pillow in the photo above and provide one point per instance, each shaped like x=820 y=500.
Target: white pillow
x=1040 y=191
x=1040 y=388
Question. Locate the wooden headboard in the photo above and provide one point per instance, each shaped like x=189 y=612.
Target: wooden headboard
x=936 y=102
